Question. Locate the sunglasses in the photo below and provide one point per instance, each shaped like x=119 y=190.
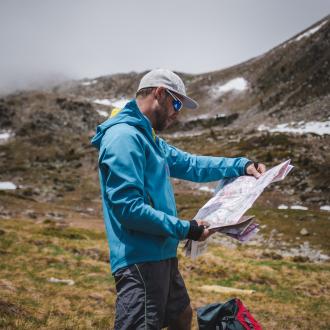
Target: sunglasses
x=177 y=104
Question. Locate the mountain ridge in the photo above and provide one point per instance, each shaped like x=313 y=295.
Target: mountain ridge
x=47 y=149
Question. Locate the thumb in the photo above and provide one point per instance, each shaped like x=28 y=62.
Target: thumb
x=204 y=223
x=251 y=170
x=255 y=173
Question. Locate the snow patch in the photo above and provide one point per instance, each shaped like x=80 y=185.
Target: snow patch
x=116 y=103
x=184 y=134
x=236 y=84
x=206 y=188
x=316 y=127
x=209 y=116
x=7 y=186
x=103 y=102
x=119 y=103
x=292 y=207
x=304 y=250
x=325 y=208
x=5 y=136
x=102 y=113
x=204 y=116
x=305 y=34
x=298 y=207
x=310 y=31
x=88 y=83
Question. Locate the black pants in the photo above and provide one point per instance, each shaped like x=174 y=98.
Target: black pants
x=149 y=295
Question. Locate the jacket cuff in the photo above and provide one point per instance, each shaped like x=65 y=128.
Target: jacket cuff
x=247 y=165
x=195 y=231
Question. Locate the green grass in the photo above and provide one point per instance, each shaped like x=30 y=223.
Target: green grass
x=34 y=252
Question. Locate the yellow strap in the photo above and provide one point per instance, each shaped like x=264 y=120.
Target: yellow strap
x=154 y=134
x=114 y=112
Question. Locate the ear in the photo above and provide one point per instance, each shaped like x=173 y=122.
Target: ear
x=159 y=92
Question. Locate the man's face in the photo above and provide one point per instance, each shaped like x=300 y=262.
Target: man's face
x=165 y=113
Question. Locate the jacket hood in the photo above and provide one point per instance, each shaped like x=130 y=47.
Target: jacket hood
x=130 y=115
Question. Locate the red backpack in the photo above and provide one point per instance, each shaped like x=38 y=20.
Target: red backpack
x=232 y=315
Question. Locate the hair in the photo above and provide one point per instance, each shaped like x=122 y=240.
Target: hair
x=144 y=92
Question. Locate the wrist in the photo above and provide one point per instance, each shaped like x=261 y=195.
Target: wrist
x=195 y=231
x=246 y=166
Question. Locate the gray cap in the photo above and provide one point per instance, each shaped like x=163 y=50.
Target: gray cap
x=169 y=80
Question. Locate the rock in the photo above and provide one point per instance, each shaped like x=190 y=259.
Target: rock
x=69 y=187
x=271 y=254
x=304 y=232
x=56 y=215
x=300 y=259
x=6 y=215
x=315 y=199
x=96 y=296
x=56 y=280
x=31 y=214
x=39 y=242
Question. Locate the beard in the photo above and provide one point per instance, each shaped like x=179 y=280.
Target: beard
x=162 y=117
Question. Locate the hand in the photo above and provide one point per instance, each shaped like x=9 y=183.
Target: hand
x=256 y=172
x=207 y=232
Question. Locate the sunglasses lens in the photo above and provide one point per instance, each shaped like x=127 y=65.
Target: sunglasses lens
x=177 y=105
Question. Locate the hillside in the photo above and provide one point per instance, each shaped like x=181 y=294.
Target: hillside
x=288 y=83
x=48 y=150
x=270 y=108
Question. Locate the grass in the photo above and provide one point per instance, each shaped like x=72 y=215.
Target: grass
x=289 y=295
x=32 y=254
x=289 y=223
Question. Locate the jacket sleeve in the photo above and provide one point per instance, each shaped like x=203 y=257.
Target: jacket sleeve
x=184 y=165
x=122 y=158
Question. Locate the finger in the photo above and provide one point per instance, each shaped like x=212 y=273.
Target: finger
x=262 y=168
x=209 y=232
x=204 y=223
x=206 y=234
x=256 y=174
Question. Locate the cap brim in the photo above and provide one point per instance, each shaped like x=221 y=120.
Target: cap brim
x=187 y=102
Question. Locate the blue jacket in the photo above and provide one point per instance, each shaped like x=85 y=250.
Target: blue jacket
x=139 y=208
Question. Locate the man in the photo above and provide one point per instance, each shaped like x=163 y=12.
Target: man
x=140 y=215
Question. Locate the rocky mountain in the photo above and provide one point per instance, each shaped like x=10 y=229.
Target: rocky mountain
x=44 y=134
x=288 y=83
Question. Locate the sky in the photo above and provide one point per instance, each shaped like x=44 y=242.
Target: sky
x=44 y=41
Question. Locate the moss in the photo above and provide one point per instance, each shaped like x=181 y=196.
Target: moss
x=71 y=233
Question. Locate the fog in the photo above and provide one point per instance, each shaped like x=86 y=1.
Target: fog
x=43 y=42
